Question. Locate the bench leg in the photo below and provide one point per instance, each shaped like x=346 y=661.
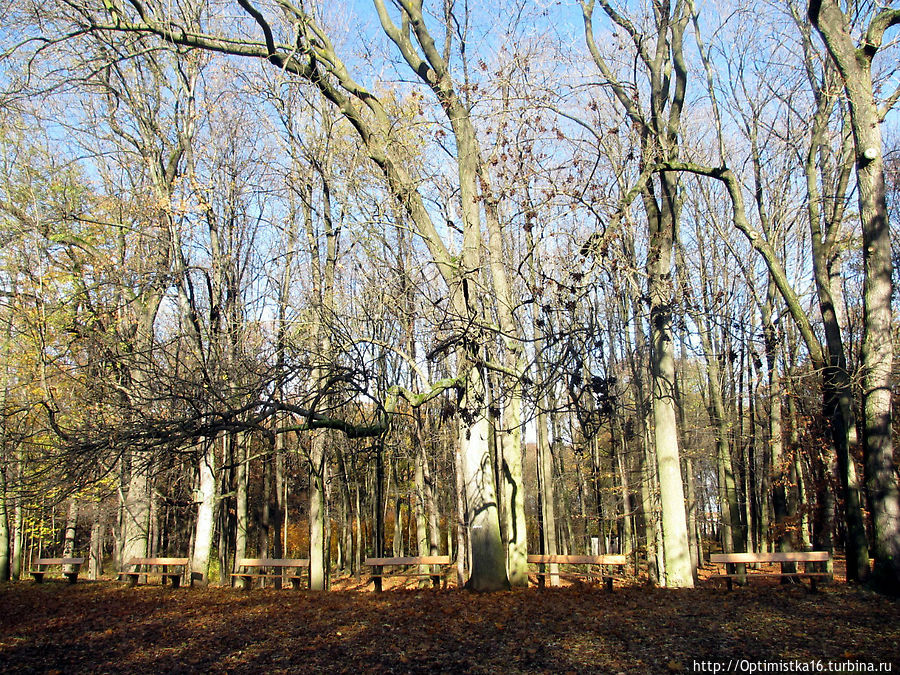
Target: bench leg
x=436 y=581
x=295 y=584
x=729 y=583
x=245 y=583
x=72 y=577
x=609 y=583
x=133 y=580
x=176 y=582
x=38 y=577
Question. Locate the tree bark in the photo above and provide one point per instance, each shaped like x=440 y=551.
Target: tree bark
x=854 y=65
x=318 y=561
x=5 y=538
x=207 y=493
x=242 y=499
x=71 y=526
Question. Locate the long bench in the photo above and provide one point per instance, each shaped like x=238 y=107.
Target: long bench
x=590 y=561
x=43 y=563
x=270 y=568
x=804 y=557
x=378 y=564
x=141 y=567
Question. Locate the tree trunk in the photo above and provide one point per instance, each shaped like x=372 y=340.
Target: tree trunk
x=18 y=539
x=136 y=510
x=462 y=517
x=398 y=525
x=242 y=503
x=782 y=486
x=5 y=540
x=547 y=495
x=510 y=447
x=207 y=494
x=422 y=541
x=877 y=353
x=317 y=553
x=662 y=390
x=627 y=508
x=346 y=544
x=488 y=563
x=276 y=505
x=95 y=556
x=71 y=527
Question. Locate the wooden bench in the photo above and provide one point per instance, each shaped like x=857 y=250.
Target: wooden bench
x=43 y=563
x=805 y=557
x=378 y=565
x=270 y=568
x=140 y=567
x=602 y=561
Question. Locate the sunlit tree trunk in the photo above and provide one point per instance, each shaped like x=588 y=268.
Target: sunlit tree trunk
x=206 y=514
x=242 y=511
x=318 y=562
x=71 y=525
x=854 y=64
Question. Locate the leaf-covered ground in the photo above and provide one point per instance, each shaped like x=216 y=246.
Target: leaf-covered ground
x=105 y=627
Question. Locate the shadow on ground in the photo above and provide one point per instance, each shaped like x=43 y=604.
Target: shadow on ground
x=103 y=627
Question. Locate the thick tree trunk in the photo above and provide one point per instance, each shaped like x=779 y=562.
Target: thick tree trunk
x=422 y=541
x=671 y=485
x=207 y=494
x=488 y=563
x=71 y=528
x=136 y=510
x=317 y=554
x=510 y=447
x=242 y=503
x=877 y=353
x=687 y=468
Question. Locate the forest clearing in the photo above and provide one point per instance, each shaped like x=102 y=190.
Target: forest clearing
x=103 y=627
x=480 y=295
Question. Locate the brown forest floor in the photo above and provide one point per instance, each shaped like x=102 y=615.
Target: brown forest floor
x=105 y=627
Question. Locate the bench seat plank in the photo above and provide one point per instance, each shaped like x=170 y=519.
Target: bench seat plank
x=409 y=560
x=783 y=557
x=436 y=576
x=140 y=567
x=43 y=563
x=270 y=568
x=608 y=559
x=601 y=560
